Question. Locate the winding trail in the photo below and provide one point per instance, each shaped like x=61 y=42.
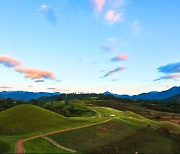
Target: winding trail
x=19 y=143
x=98 y=113
x=58 y=145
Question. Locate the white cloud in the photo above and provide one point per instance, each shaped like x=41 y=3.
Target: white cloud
x=99 y=4
x=113 y=16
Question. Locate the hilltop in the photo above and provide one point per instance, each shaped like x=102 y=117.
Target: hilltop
x=24 y=119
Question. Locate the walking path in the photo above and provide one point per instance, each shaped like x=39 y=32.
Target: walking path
x=98 y=113
x=19 y=144
x=58 y=145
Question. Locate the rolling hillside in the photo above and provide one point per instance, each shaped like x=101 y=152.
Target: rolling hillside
x=118 y=136
x=123 y=129
x=173 y=99
x=28 y=118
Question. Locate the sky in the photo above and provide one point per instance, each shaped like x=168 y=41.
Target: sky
x=121 y=46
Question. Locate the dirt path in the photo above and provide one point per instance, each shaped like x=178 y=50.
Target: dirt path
x=19 y=144
x=58 y=145
x=98 y=113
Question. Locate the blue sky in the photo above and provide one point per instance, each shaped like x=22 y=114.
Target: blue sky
x=123 y=46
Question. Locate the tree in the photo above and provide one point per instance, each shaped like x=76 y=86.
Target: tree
x=59 y=99
x=157 y=117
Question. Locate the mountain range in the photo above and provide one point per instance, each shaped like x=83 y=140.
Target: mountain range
x=25 y=95
x=153 y=95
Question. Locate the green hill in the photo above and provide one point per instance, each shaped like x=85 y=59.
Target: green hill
x=173 y=99
x=147 y=113
x=76 y=101
x=24 y=119
x=119 y=136
x=27 y=120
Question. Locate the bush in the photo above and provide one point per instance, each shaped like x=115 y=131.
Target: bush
x=164 y=130
x=157 y=117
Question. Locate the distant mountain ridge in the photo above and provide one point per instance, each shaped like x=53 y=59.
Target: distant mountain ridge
x=173 y=99
x=25 y=95
x=153 y=95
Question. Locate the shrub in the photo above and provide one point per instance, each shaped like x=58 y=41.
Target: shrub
x=164 y=130
x=157 y=117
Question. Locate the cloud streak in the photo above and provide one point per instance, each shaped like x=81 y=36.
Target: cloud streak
x=9 y=62
x=169 y=76
x=120 y=58
x=28 y=72
x=170 y=68
x=37 y=81
x=110 y=73
x=171 y=71
x=49 y=14
x=57 y=90
x=5 y=87
x=108 y=48
x=35 y=73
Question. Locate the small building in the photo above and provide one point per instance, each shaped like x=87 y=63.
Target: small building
x=112 y=115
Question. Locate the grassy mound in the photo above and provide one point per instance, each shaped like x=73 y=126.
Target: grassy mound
x=28 y=118
x=76 y=101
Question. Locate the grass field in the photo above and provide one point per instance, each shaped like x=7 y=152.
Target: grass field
x=127 y=132
x=76 y=101
x=7 y=145
x=89 y=138
x=41 y=146
x=150 y=114
x=117 y=136
x=25 y=119
x=28 y=120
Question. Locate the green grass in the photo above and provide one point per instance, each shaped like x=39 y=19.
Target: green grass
x=142 y=141
x=106 y=112
x=41 y=146
x=118 y=136
x=76 y=101
x=173 y=127
x=85 y=139
x=135 y=119
x=28 y=120
x=126 y=129
x=24 y=119
x=151 y=114
x=7 y=145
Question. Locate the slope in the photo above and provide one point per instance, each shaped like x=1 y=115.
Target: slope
x=24 y=119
